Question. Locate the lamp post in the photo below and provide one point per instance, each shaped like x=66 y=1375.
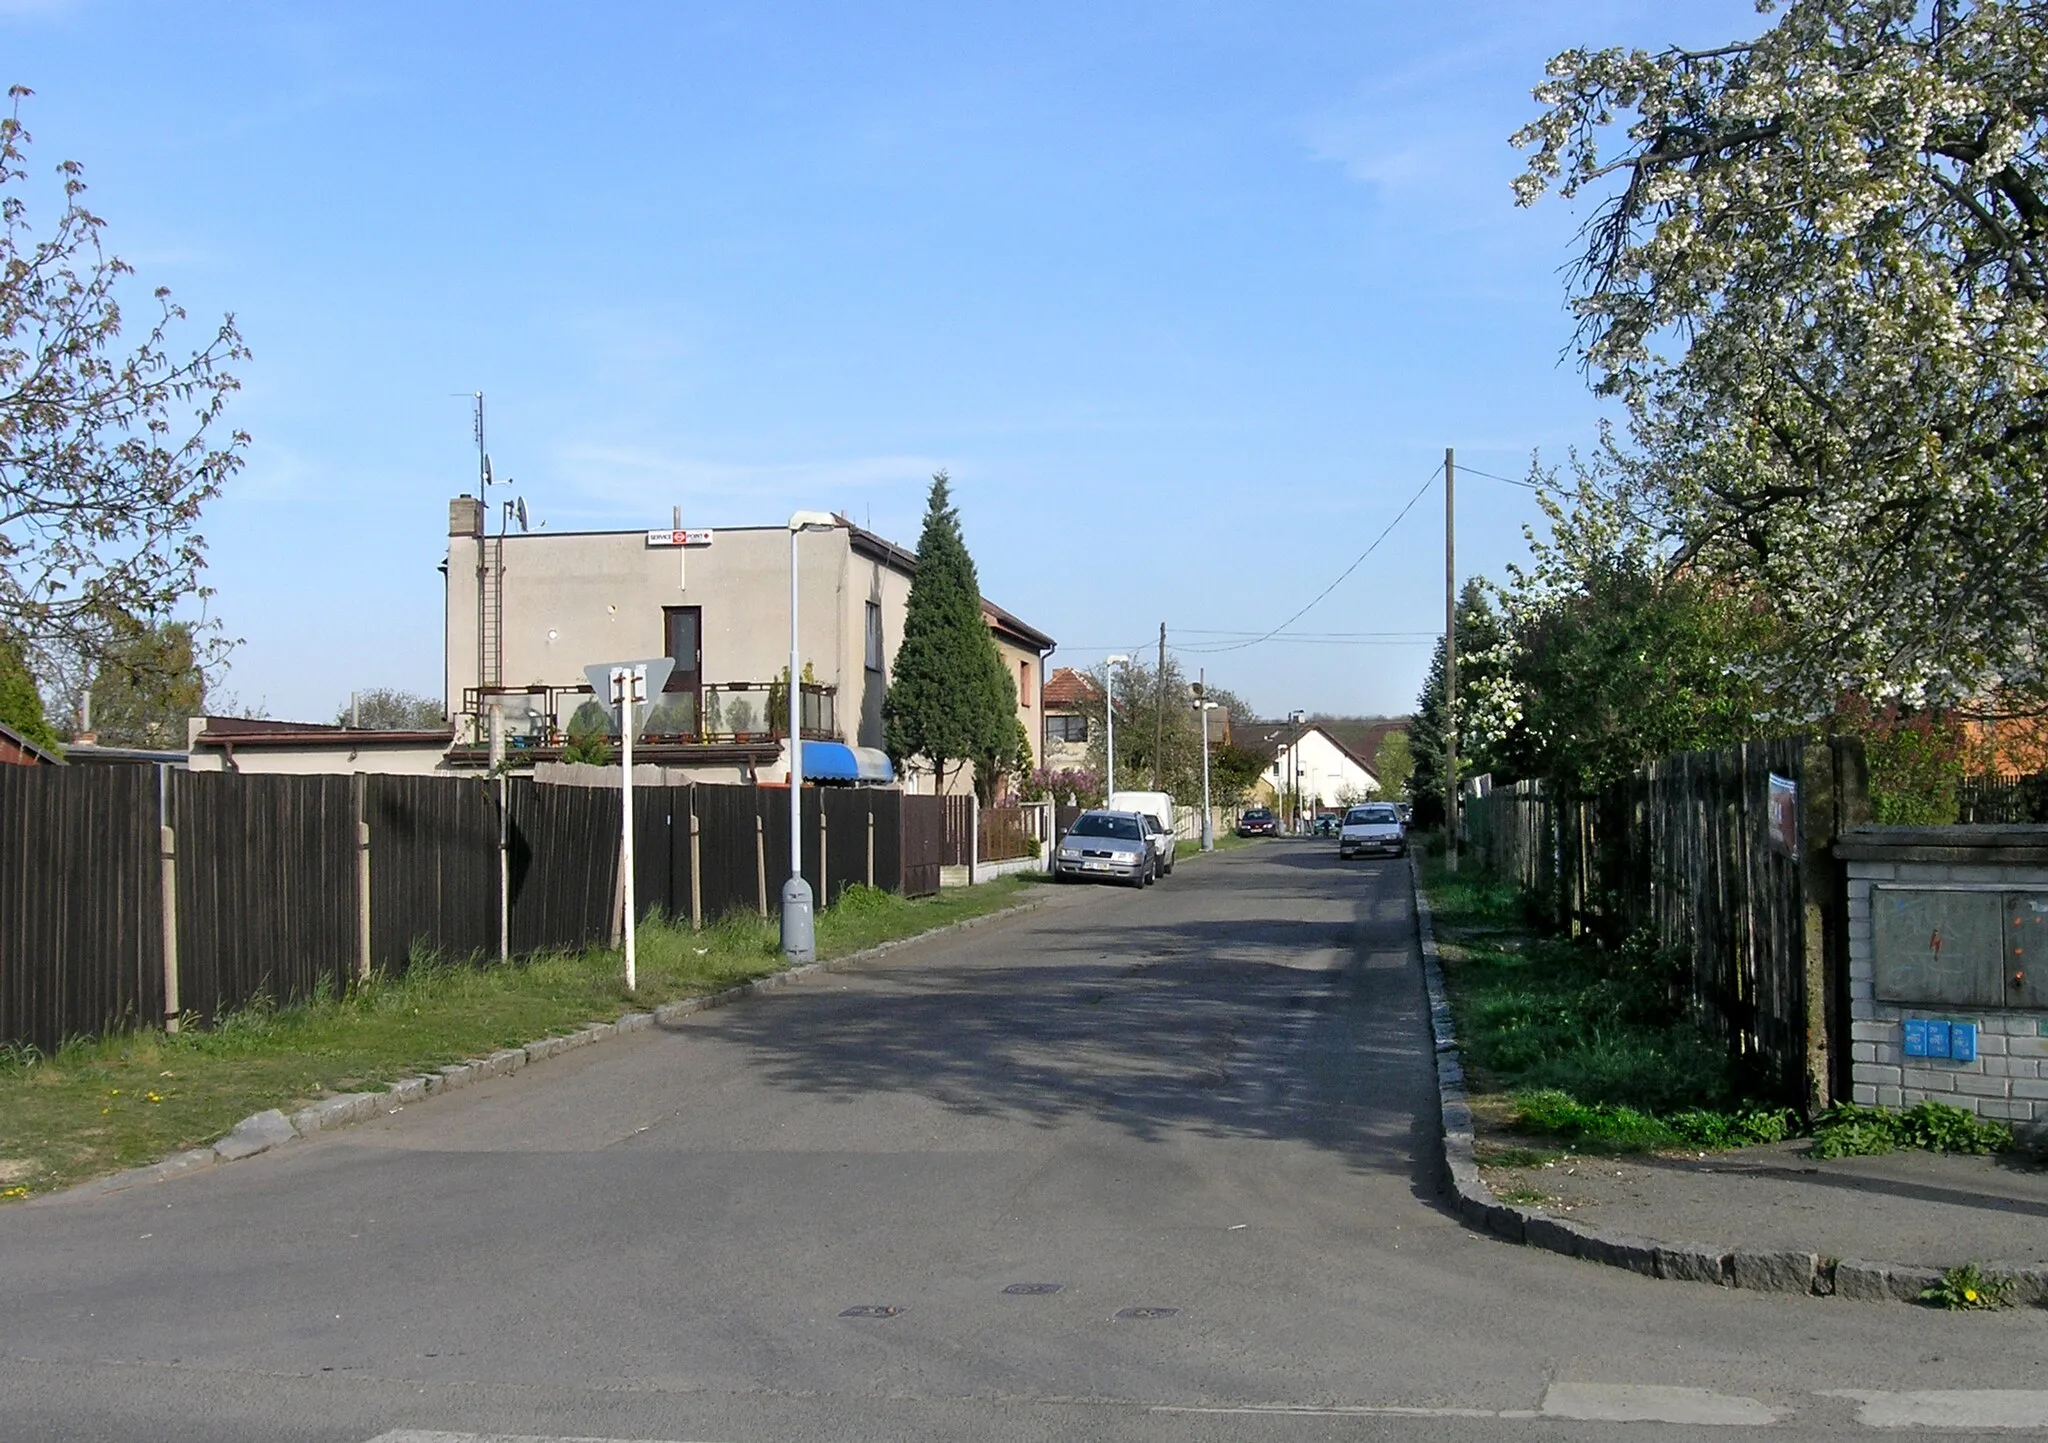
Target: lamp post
x=799 y=931
x=1294 y=749
x=1203 y=706
x=1109 y=666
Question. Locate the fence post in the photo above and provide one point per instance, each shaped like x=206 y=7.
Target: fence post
x=504 y=868
x=760 y=866
x=167 y=849
x=871 y=841
x=824 y=890
x=974 y=842
x=362 y=900
x=696 y=869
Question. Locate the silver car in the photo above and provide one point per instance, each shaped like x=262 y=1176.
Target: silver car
x=1112 y=846
x=1372 y=828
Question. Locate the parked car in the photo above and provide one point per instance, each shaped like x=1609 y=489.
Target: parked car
x=1106 y=845
x=1258 y=822
x=1326 y=824
x=1157 y=807
x=1372 y=829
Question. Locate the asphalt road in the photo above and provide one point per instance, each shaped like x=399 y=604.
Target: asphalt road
x=1211 y=1100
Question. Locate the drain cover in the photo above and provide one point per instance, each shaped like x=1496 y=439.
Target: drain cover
x=1140 y=1314
x=1032 y=1289
x=871 y=1310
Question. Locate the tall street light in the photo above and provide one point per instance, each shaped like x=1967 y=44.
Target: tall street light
x=799 y=930
x=1109 y=666
x=1297 y=718
x=1203 y=706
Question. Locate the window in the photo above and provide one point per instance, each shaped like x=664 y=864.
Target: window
x=1024 y=682
x=1066 y=728
x=874 y=636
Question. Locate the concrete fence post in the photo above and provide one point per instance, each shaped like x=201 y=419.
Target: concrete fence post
x=362 y=901
x=696 y=870
x=167 y=851
x=760 y=866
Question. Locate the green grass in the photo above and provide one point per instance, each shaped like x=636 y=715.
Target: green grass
x=1589 y=1045
x=101 y=1105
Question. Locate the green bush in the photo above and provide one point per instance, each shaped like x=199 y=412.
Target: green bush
x=1609 y=1128
x=1847 y=1130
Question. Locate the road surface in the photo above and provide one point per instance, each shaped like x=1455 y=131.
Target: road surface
x=1130 y=1166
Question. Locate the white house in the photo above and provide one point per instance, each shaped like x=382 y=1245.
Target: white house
x=1309 y=762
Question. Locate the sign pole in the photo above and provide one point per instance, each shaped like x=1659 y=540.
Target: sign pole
x=623 y=679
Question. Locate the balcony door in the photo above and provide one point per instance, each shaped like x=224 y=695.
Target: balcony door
x=683 y=629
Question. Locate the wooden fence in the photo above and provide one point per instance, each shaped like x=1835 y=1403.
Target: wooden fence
x=2003 y=799
x=285 y=886
x=1727 y=855
x=1006 y=833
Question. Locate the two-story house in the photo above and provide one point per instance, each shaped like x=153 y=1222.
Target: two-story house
x=526 y=613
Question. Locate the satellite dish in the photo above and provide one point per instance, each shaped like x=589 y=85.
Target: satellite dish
x=521 y=513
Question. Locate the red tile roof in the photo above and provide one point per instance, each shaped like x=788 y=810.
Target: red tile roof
x=1067 y=687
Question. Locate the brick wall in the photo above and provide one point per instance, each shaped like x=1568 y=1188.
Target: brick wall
x=2008 y=1078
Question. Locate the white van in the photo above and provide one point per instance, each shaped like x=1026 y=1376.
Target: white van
x=1159 y=807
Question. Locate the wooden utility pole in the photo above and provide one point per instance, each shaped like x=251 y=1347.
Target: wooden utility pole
x=1159 y=711
x=1450 y=659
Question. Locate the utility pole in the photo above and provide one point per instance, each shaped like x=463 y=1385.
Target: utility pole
x=1450 y=659
x=1159 y=711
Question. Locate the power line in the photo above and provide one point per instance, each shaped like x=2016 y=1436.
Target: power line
x=1509 y=480
x=1341 y=576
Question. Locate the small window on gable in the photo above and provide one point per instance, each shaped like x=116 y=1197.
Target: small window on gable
x=874 y=636
x=1024 y=682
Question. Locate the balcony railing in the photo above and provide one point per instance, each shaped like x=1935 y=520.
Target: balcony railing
x=728 y=712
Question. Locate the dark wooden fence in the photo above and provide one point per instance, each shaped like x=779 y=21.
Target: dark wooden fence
x=1727 y=855
x=81 y=921
x=960 y=817
x=2003 y=798
x=277 y=898
x=925 y=822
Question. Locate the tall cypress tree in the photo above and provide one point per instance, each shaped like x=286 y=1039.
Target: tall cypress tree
x=946 y=699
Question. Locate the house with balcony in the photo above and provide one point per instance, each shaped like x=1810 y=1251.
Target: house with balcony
x=526 y=613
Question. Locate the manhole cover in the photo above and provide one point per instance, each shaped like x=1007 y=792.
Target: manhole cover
x=1031 y=1289
x=1141 y=1314
x=871 y=1310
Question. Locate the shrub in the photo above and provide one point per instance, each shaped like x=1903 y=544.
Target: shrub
x=1847 y=1130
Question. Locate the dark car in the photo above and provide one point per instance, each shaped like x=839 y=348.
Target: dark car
x=1258 y=822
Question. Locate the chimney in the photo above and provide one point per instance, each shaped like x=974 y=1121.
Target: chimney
x=465 y=516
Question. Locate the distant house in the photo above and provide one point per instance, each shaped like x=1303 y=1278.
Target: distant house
x=1308 y=761
x=1068 y=694
x=17 y=750
x=527 y=613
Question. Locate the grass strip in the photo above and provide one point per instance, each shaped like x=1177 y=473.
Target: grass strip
x=1589 y=1045
x=101 y=1105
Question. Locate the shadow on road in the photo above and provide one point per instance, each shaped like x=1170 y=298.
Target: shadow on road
x=1267 y=1004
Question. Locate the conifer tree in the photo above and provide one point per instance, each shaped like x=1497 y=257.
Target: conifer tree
x=946 y=700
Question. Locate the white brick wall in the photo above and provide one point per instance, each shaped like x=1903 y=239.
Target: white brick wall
x=2007 y=1081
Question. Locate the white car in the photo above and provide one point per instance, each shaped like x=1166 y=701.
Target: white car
x=1373 y=829
x=1157 y=808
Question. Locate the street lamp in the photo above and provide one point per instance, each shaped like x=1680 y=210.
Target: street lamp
x=799 y=932
x=1203 y=706
x=1109 y=666
x=1294 y=747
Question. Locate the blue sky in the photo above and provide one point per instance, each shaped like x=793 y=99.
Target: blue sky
x=1189 y=298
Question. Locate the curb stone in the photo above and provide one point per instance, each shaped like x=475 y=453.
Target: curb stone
x=1755 y=1270
x=262 y=1131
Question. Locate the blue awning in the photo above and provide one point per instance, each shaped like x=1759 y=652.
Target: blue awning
x=838 y=762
